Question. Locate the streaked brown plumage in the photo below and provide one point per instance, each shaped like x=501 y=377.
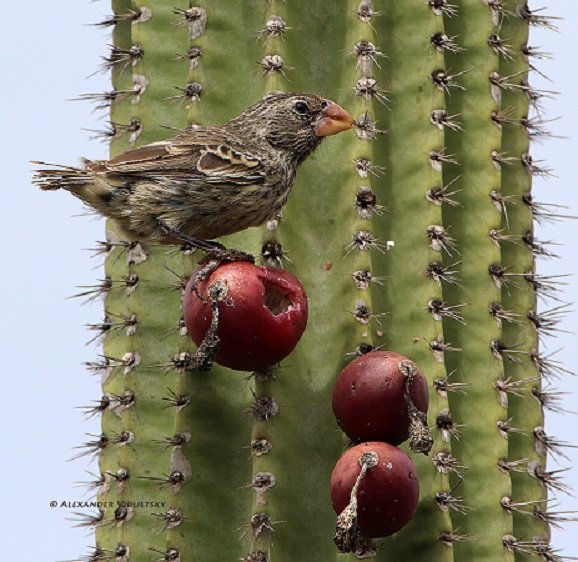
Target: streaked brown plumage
x=210 y=181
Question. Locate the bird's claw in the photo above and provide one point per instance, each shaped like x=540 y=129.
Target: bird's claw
x=222 y=254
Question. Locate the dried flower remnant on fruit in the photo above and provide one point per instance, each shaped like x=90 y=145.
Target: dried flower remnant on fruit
x=207 y=350
x=420 y=437
x=348 y=536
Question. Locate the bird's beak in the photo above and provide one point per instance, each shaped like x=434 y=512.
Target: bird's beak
x=333 y=120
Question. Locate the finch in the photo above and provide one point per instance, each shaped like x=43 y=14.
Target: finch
x=206 y=182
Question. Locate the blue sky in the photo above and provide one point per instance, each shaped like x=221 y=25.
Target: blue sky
x=47 y=53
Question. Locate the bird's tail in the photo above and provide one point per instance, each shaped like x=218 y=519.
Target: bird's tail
x=61 y=177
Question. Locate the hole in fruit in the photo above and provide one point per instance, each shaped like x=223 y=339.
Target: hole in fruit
x=276 y=300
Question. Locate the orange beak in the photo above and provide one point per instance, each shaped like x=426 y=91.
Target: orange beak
x=333 y=120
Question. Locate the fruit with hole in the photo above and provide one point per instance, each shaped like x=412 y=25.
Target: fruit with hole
x=262 y=314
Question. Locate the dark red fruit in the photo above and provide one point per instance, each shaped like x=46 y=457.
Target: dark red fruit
x=387 y=496
x=261 y=318
x=368 y=398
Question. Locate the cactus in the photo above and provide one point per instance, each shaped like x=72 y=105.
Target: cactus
x=413 y=235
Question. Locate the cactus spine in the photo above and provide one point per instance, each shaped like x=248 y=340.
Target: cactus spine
x=415 y=236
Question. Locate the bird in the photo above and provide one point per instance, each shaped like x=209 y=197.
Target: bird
x=205 y=182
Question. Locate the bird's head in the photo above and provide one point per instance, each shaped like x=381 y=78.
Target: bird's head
x=297 y=122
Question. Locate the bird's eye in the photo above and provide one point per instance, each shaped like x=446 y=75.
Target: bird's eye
x=301 y=107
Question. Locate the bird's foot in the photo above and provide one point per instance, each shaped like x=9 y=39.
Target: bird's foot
x=216 y=254
x=213 y=260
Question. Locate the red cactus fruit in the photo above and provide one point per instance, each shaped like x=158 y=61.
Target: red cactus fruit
x=369 y=401
x=388 y=494
x=262 y=314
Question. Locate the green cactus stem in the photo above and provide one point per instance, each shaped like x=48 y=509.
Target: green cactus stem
x=411 y=234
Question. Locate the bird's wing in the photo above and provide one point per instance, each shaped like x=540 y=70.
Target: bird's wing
x=207 y=157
